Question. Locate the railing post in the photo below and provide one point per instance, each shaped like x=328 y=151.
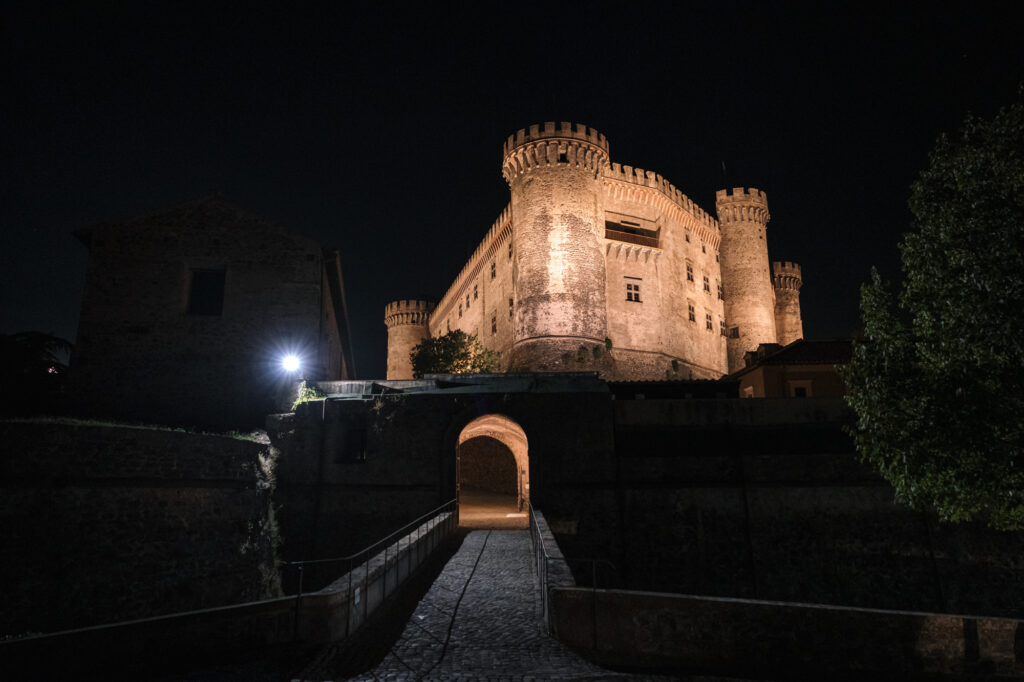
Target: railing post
x=298 y=605
x=351 y=601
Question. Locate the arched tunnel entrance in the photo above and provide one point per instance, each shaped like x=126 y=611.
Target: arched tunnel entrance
x=493 y=473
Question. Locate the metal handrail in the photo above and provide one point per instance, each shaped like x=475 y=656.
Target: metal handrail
x=542 y=573
x=418 y=521
x=363 y=557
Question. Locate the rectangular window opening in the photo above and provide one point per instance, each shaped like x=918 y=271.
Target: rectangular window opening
x=206 y=292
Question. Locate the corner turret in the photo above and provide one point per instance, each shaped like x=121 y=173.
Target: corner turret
x=407 y=326
x=555 y=176
x=787 y=281
x=750 y=295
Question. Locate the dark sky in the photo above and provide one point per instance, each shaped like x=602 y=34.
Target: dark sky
x=378 y=130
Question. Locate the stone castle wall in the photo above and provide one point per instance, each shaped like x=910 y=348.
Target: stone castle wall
x=108 y=523
x=788 y=322
x=142 y=355
x=750 y=299
x=665 y=290
x=761 y=498
x=407 y=327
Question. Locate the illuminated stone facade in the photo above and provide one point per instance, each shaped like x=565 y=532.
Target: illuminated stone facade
x=595 y=265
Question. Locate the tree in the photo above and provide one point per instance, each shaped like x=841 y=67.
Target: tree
x=33 y=371
x=937 y=383
x=454 y=353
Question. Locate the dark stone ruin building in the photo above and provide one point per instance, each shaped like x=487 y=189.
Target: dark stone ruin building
x=188 y=311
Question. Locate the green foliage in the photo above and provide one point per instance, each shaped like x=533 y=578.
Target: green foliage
x=938 y=380
x=454 y=353
x=307 y=393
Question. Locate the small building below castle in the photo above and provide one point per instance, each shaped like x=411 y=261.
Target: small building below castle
x=188 y=311
x=596 y=265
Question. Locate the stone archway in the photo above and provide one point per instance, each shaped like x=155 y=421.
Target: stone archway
x=493 y=473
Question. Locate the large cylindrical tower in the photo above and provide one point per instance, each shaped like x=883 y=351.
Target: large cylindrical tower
x=788 y=323
x=749 y=294
x=407 y=326
x=554 y=173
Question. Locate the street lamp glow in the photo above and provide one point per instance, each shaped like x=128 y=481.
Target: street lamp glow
x=290 y=363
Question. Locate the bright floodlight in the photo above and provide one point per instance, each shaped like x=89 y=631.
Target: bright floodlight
x=290 y=363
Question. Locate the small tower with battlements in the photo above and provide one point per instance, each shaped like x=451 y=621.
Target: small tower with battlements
x=750 y=294
x=407 y=326
x=787 y=281
x=554 y=172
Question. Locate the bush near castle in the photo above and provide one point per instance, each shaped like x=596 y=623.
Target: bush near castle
x=454 y=353
x=938 y=382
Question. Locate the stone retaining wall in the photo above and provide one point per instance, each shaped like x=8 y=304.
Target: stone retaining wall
x=103 y=523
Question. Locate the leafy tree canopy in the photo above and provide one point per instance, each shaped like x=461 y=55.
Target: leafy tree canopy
x=938 y=380
x=454 y=353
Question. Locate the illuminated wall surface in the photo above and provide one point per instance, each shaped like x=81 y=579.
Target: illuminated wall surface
x=591 y=253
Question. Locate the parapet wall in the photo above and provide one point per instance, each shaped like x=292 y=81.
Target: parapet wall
x=706 y=225
x=786 y=275
x=742 y=205
x=499 y=233
x=407 y=312
x=548 y=130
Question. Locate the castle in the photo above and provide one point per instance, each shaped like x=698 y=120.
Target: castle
x=597 y=265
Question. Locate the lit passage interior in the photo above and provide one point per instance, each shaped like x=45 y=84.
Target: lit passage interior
x=493 y=472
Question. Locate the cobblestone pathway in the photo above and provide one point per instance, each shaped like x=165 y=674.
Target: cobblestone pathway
x=481 y=620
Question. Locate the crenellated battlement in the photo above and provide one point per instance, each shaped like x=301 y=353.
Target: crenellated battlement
x=549 y=130
x=407 y=312
x=619 y=173
x=742 y=205
x=497 y=235
x=567 y=145
x=786 y=275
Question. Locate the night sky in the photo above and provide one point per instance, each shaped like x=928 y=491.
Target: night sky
x=378 y=129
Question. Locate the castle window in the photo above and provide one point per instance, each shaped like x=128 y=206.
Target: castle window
x=721 y=290
x=475 y=293
x=692 y=312
x=633 y=290
x=707 y=284
x=707 y=322
x=689 y=272
x=494 y=324
x=510 y=306
x=494 y=270
x=206 y=292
